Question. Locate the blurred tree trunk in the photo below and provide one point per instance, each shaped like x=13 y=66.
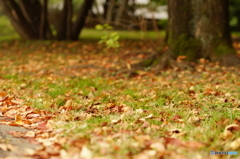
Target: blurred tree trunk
x=30 y=19
x=110 y=11
x=19 y=21
x=200 y=29
x=105 y=8
x=44 y=21
x=122 y=8
x=82 y=15
x=64 y=29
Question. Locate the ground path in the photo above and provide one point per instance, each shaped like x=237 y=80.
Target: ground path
x=19 y=144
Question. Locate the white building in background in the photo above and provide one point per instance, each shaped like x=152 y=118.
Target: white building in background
x=159 y=13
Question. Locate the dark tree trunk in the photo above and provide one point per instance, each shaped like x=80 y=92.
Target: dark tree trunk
x=211 y=27
x=69 y=20
x=18 y=19
x=16 y=25
x=31 y=14
x=179 y=37
x=77 y=27
x=122 y=7
x=105 y=8
x=43 y=24
x=64 y=29
x=110 y=11
x=200 y=29
x=30 y=19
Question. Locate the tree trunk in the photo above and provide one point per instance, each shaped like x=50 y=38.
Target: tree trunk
x=43 y=24
x=211 y=24
x=65 y=20
x=110 y=11
x=123 y=6
x=179 y=38
x=30 y=19
x=105 y=8
x=31 y=14
x=16 y=25
x=200 y=29
x=18 y=20
x=77 y=27
x=69 y=20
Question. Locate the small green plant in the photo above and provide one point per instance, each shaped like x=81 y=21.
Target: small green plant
x=110 y=39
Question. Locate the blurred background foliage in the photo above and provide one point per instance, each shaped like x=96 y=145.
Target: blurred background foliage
x=55 y=7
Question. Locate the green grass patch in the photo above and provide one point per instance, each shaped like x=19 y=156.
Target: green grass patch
x=126 y=35
x=116 y=116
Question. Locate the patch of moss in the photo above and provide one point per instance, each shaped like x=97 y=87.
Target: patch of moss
x=184 y=46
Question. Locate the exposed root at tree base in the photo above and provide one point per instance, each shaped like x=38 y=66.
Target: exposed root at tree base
x=162 y=62
x=229 y=60
x=159 y=63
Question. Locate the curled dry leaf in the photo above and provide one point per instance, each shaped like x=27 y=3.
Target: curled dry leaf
x=186 y=144
x=229 y=130
x=30 y=134
x=158 y=146
x=127 y=110
x=147 y=154
x=18 y=119
x=18 y=101
x=68 y=103
x=7 y=147
x=235 y=145
x=86 y=153
x=115 y=121
x=139 y=111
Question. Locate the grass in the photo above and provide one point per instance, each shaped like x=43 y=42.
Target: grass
x=166 y=97
x=135 y=35
x=7 y=32
x=116 y=116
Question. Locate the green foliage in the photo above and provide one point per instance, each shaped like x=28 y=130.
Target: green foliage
x=7 y=32
x=110 y=39
x=234 y=15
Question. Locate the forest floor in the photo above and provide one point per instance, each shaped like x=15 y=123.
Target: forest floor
x=76 y=100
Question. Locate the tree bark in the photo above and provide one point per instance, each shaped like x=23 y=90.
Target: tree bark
x=179 y=37
x=65 y=27
x=211 y=26
x=69 y=20
x=200 y=29
x=78 y=25
x=30 y=14
x=120 y=12
x=105 y=8
x=43 y=23
x=110 y=11
x=18 y=19
x=30 y=19
x=8 y=11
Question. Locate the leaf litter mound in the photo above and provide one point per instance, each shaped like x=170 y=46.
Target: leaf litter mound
x=77 y=102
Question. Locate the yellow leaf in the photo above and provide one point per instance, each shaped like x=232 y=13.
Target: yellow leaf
x=18 y=119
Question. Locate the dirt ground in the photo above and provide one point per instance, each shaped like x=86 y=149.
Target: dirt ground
x=18 y=144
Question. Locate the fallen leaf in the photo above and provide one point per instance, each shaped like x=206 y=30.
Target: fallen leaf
x=18 y=119
x=86 y=153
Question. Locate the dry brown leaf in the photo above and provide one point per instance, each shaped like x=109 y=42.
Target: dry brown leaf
x=7 y=147
x=86 y=153
x=18 y=119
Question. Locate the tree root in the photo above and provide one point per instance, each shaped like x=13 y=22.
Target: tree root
x=158 y=63
x=229 y=60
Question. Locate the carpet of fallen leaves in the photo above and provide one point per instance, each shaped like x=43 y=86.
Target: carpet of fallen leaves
x=173 y=114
